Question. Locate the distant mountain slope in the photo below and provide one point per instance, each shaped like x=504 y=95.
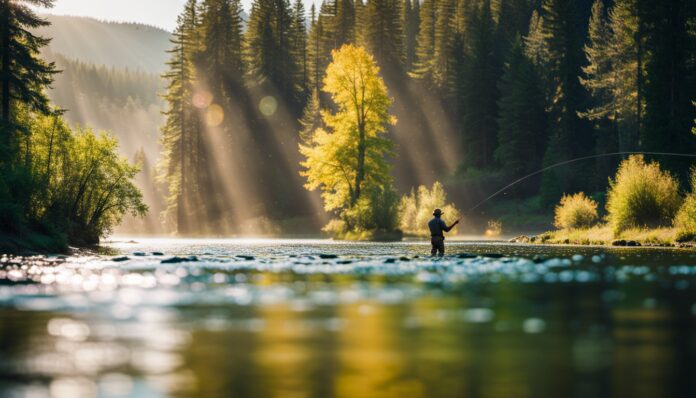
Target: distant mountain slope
x=125 y=102
x=121 y=45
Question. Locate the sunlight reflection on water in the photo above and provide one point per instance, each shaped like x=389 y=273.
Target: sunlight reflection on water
x=259 y=317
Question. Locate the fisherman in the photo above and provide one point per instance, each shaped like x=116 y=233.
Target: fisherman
x=437 y=228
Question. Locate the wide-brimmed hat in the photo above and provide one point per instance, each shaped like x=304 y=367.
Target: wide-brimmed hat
x=438 y=212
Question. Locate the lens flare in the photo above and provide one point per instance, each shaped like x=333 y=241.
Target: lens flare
x=202 y=99
x=215 y=115
x=268 y=105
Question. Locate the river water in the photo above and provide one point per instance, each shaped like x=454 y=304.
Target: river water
x=289 y=318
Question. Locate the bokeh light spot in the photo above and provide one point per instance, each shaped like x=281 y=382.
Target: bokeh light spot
x=202 y=99
x=268 y=105
x=215 y=115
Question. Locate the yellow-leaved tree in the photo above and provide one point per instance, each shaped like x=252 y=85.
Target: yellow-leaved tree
x=347 y=160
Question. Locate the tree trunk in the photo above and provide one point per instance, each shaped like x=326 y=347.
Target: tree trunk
x=181 y=215
x=635 y=144
x=360 y=172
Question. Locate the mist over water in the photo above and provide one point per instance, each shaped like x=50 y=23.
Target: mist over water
x=261 y=318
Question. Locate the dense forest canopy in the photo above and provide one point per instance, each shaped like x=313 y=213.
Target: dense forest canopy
x=484 y=91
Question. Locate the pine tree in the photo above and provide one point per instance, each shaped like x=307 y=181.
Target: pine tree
x=221 y=53
x=382 y=33
x=479 y=92
x=443 y=55
x=425 y=49
x=311 y=117
x=628 y=52
x=522 y=121
x=670 y=84
x=600 y=83
x=181 y=124
x=299 y=44
x=562 y=31
x=599 y=71
x=535 y=43
x=23 y=75
x=269 y=50
x=342 y=22
x=410 y=20
x=314 y=53
x=512 y=18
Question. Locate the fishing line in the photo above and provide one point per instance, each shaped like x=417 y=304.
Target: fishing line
x=505 y=188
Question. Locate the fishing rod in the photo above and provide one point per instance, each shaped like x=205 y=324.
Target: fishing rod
x=505 y=188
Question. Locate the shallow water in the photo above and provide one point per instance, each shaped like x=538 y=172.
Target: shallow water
x=259 y=318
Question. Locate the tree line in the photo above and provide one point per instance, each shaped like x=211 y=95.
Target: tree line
x=525 y=83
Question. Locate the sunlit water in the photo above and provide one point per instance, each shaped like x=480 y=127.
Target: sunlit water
x=255 y=318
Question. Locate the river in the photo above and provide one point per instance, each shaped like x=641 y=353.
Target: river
x=312 y=318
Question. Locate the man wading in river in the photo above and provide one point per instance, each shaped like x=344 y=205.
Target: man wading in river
x=437 y=229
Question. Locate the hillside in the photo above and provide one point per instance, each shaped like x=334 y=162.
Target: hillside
x=121 y=45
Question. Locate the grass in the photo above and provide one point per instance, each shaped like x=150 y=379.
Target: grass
x=604 y=235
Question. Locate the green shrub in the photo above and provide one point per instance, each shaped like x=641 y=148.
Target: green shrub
x=641 y=195
x=575 y=211
x=685 y=221
x=416 y=209
x=375 y=210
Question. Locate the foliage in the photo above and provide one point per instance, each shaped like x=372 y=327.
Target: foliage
x=522 y=116
x=269 y=47
x=685 y=221
x=346 y=160
x=641 y=195
x=72 y=183
x=479 y=91
x=494 y=229
x=575 y=211
x=415 y=209
x=382 y=32
x=24 y=74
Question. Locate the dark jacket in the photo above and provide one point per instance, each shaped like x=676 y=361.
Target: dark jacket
x=438 y=227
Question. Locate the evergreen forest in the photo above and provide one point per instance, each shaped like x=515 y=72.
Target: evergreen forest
x=483 y=93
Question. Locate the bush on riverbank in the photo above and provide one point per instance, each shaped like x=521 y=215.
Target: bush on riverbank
x=685 y=221
x=642 y=196
x=575 y=211
x=64 y=186
x=603 y=235
x=417 y=208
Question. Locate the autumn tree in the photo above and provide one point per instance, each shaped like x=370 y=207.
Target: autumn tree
x=346 y=160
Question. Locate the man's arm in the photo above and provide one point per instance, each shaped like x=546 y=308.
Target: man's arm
x=446 y=228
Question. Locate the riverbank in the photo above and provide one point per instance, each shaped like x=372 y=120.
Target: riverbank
x=33 y=242
x=602 y=235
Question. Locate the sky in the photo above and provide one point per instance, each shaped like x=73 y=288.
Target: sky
x=160 y=13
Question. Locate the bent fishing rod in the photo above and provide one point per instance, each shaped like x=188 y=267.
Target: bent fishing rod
x=505 y=188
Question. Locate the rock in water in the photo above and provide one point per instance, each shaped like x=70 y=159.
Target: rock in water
x=176 y=260
x=328 y=256
x=466 y=255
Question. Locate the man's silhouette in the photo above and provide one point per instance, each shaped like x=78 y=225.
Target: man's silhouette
x=437 y=229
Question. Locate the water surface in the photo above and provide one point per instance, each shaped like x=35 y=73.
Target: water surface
x=288 y=318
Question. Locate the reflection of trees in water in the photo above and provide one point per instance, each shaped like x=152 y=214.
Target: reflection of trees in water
x=599 y=340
